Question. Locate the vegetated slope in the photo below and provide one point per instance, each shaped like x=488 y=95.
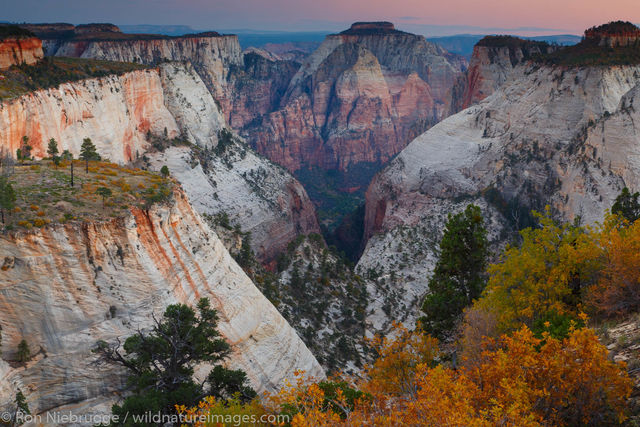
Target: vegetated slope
x=315 y=290
x=63 y=287
x=549 y=135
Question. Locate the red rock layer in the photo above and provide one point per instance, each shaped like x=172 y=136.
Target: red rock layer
x=17 y=50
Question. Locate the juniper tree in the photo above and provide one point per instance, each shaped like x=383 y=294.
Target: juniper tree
x=161 y=362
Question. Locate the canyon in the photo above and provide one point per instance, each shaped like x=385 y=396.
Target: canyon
x=347 y=108
x=511 y=133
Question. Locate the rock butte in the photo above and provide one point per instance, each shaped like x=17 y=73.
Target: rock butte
x=359 y=98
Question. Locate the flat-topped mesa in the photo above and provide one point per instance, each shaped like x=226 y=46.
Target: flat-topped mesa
x=96 y=28
x=372 y=28
x=614 y=34
x=18 y=46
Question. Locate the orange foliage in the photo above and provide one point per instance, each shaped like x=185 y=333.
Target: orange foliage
x=394 y=371
x=617 y=291
x=522 y=381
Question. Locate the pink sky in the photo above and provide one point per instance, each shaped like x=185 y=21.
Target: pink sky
x=568 y=15
x=575 y=15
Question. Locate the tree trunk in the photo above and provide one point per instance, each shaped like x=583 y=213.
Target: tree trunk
x=72 y=172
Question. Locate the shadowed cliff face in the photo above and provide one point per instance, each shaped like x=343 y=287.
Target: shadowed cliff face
x=64 y=287
x=18 y=50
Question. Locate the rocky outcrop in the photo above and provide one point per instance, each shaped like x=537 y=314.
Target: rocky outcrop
x=567 y=138
x=493 y=61
x=68 y=286
x=360 y=97
x=19 y=50
x=118 y=112
x=614 y=34
x=257 y=195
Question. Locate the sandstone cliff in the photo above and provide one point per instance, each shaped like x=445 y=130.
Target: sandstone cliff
x=257 y=88
x=64 y=287
x=118 y=112
x=493 y=61
x=213 y=55
x=360 y=97
x=19 y=50
x=549 y=135
x=246 y=85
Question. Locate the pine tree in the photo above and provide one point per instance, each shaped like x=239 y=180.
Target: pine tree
x=164 y=170
x=459 y=276
x=52 y=151
x=627 y=205
x=88 y=152
x=7 y=196
x=21 y=403
x=104 y=192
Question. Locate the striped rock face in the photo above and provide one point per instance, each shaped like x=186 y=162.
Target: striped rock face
x=64 y=287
